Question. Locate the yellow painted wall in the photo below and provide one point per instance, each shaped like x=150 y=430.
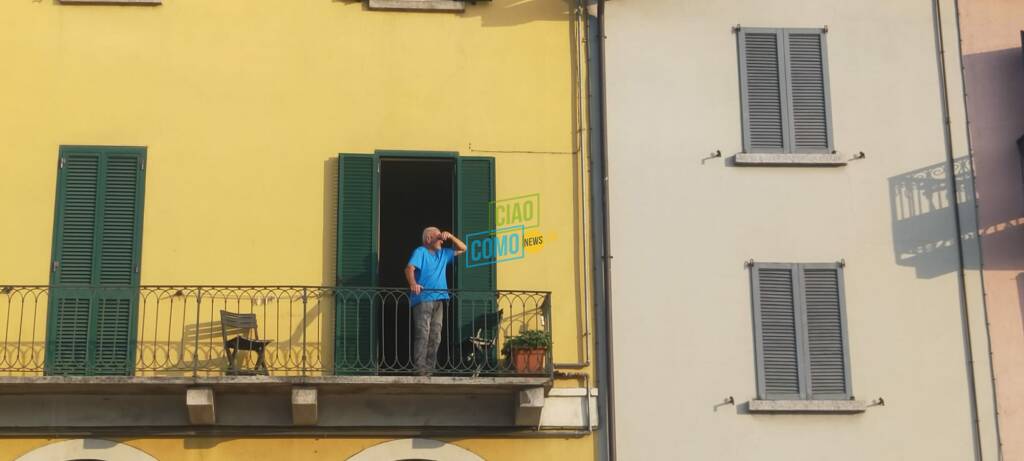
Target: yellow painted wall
x=315 y=449
x=244 y=104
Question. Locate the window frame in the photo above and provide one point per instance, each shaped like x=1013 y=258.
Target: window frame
x=418 y=5
x=802 y=335
x=113 y=2
x=786 y=98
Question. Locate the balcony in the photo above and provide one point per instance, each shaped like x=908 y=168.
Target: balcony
x=328 y=336
x=344 y=356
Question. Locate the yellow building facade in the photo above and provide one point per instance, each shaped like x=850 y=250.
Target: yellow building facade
x=280 y=159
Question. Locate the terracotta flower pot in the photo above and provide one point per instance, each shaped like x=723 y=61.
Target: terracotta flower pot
x=527 y=361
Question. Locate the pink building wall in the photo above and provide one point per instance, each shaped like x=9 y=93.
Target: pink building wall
x=994 y=79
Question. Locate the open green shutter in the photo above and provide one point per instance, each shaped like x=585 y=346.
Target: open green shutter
x=356 y=316
x=477 y=306
x=97 y=241
x=75 y=233
x=120 y=220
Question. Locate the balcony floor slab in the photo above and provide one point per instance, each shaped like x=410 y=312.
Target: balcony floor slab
x=269 y=384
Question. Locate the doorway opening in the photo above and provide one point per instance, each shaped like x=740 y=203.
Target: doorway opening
x=415 y=193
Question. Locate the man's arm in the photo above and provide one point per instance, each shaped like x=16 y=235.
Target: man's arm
x=459 y=246
x=410 y=276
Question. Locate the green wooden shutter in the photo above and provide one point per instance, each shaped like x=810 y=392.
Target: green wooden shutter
x=827 y=357
x=777 y=328
x=356 y=319
x=476 y=309
x=120 y=223
x=807 y=76
x=97 y=243
x=765 y=127
x=74 y=240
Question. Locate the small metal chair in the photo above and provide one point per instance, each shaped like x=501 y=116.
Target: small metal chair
x=481 y=345
x=246 y=338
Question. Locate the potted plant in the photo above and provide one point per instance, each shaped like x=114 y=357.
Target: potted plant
x=528 y=351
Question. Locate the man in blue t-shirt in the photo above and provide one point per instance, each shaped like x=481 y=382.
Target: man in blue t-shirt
x=429 y=285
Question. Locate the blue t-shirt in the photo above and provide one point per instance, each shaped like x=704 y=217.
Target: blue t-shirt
x=430 y=273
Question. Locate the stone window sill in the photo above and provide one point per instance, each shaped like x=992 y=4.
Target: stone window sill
x=429 y=5
x=754 y=159
x=808 y=406
x=114 y=2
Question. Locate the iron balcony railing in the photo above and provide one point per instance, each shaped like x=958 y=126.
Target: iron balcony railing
x=180 y=331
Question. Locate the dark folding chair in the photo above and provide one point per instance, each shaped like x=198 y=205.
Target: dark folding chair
x=480 y=347
x=246 y=338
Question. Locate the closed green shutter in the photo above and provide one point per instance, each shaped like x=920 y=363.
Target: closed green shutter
x=784 y=91
x=476 y=309
x=800 y=331
x=356 y=319
x=97 y=243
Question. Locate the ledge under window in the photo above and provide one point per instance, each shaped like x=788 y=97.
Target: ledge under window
x=790 y=159
x=431 y=5
x=808 y=406
x=115 y=2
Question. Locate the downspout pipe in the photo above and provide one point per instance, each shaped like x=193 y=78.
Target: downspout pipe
x=940 y=52
x=601 y=227
x=981 y=256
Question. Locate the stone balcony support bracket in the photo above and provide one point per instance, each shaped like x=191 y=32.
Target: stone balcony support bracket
x=529 y=405
x=304 y=406
x=200 y=403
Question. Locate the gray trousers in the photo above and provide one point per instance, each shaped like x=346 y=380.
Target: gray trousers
x=427 y=318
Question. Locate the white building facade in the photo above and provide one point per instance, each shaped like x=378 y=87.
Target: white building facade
x=795 y=270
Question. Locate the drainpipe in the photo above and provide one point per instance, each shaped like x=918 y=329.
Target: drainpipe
x=587 y=417
x=600 y=226
x=578 y=56
x=940 y=51
x=981 y=256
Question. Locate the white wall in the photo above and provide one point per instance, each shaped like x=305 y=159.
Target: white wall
x=682 y=229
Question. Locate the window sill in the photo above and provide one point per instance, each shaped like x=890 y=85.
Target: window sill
x=430 y=5
x=808 y=406
x=114 y=2
x=790 y=159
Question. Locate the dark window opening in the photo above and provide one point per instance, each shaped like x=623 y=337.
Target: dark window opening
x=414 y=194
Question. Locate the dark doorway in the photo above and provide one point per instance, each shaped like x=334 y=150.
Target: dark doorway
x=414 y=193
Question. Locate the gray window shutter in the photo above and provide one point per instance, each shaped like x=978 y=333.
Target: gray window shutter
x=828 y=361
x=762 y=90
x=807 y=75
x=784 y=91
x=777 y=331
x=800 y=332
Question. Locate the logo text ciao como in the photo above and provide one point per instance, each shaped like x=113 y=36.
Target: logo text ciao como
x=509 y=240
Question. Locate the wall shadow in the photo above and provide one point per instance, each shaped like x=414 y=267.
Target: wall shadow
x=329 y=276
x=923 y=216
x=330 y=225
x=994 y=82
x=504 y=13
x=496 y=13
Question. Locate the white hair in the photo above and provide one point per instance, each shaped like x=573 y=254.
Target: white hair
x=429 y=230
